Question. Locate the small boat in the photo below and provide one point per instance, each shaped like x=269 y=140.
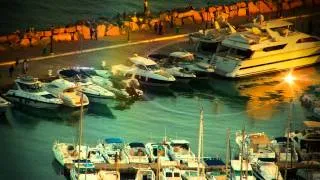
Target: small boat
x=145 y=174
x=188 y=61
x=146 y=71
x=170 y=174
x=108 y=175
x=67 y=91
x=158 y=150
x=94 y=92
x=179 y=150
x=83 y=170
x=136 y=153
x=66 y=153
x=112 y=147
x=103 y=78
x=28 y=91
x=257 y=146
x=266 y=170
x=283 y=153
x=244 y=172
x=192 y=175
x=4 y=104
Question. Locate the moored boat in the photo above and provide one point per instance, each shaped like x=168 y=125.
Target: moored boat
x=29 y=91
x=68 y=92
x=268 y=47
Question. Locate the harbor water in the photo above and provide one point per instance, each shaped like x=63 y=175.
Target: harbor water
x=260 y=104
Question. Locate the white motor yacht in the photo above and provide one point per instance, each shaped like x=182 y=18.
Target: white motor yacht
x=83 y=170
x=187 y=61
x=179 y=150
x=266 y=170
x=170 y=174
x=102 y=78
x=4 y=104
x=67 y=91
x=146 y=71
x=112 y=147
x=28 y=91
x=94 y=92
x=145 y=174
x=267 y=47
x=257 y=146
x=136 y=153
x=241 y=172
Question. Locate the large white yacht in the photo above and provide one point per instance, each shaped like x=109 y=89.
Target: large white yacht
x=67 y=91
x=266 y=47
x=28 y=91
x=146 y=71
x=94 y=92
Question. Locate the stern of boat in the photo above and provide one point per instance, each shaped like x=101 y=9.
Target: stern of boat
x=227 y=67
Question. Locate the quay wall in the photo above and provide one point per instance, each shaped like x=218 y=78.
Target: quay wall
x=172 y=18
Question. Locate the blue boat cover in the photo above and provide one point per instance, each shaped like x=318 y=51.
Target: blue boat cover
x=213 y=162
x=113 y=140
x=136 y=144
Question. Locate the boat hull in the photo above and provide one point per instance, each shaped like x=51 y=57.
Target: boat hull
x=152 y=82
x=32 y=102
x=251 y=67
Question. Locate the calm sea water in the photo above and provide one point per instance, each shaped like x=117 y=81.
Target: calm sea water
x=259 y=104
x=20 y=14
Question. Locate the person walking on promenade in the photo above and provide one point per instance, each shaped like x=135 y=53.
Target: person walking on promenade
x=11 y=69
x=160 y=28
x=156 y=25
x=25 y=66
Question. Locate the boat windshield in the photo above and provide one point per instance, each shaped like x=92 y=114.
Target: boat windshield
x=153 y=67
x=207 y=47
x=240 y=54
x=36 y=87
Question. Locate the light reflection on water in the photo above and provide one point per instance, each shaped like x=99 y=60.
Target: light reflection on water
x=260 y=103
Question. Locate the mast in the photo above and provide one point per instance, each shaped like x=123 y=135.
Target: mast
x=288 y=140
x=228 y=154
x=241 y=154
x=200 y=143
x=80 y=131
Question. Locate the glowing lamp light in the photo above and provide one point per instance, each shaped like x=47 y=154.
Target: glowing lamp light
x=289 y=79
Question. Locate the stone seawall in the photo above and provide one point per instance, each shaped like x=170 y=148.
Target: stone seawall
x=172 y=18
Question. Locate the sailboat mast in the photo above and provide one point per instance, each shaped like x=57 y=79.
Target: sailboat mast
x=80 y=132
x=241 y=154
x=200 y=141
x=288 y=140
x=228 y=156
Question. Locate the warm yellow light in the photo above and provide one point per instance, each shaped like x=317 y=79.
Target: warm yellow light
x=289 y=78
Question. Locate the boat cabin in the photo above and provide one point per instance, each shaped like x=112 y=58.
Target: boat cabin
x=237 y=170
x=144 y=63
x=28 y=84
x=181 y=57
x=84 y=167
